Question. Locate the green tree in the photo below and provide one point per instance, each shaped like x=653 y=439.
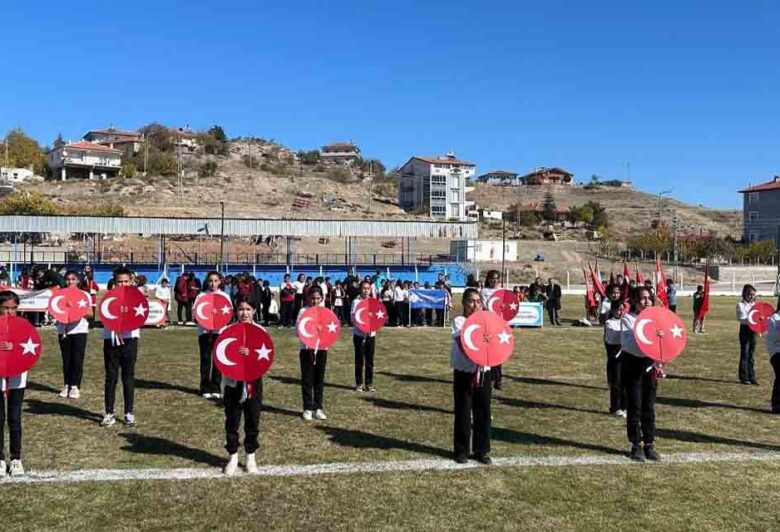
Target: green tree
x=159 y=137
x=310 y=157
x=582 y=214
x=129 y=170
x=600 y=219
x=24 y=151
x=218 y=133
x=208 y=169
x=28 y=203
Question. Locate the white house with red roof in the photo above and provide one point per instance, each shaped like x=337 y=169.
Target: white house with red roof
x=340 y=152
x=761 y=211
x=500 y=177
x=86 y=160
x=437 y=186
x=126 y=141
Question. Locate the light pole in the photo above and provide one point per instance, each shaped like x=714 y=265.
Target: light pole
x=660 y=199
x=222 y=237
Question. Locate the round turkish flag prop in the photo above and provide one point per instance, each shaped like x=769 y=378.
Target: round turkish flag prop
x=660 y=334
x=69 y=305
x=123 y=309
x=758 y=317
x=370 y=315
x=26 y=347
x=213 y=310
x=247 y=367
x=487 y=339
x=318 y=328
x=504 y=303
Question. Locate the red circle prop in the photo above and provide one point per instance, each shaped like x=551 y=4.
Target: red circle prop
x=370 y=315
x=26 y=347
x=660 y=334
x=318 y=328
x=758 y=317
x=487 y=339
x=123 y=309
x=213 y=310
x=236 y=366
x=69 y=305
x=504 y=303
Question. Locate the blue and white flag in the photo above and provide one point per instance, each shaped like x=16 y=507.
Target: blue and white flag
x=422 y=298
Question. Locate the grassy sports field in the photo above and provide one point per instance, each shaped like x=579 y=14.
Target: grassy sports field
x=553 y=404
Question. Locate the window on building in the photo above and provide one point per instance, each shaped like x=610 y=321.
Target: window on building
x=455 y=182
x=478 y=248
x=752 y=197
x=438 y=194
x=438 y=210
x=439 y=180
x=753 y=216
x=455 y=208
x=455 y=196
x=752 y=237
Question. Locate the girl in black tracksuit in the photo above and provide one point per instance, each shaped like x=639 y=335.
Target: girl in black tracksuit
x=612 y=330
x=209 y=374
x=313 y=365
x=365 y=344
x=73 y=344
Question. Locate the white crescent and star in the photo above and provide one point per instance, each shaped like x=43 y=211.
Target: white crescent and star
x=380 y=315
x=750 y=315
x=82 y=303
x=358 y=312
x=198 y=311
x=332 y=327
x=467 y=336
x=140 y=310
x=104 y=308
x=220 y=351
x=302 y=328
x=676 y=331
x=263 y=353
x=55 y=305
x=492 y=302
x=503 y=337
x=640 y=331
x=28 y=348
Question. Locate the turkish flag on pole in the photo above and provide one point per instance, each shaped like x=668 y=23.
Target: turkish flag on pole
x=660 y=286
x=318 y=328
x=504 y=303
x=639 y=278
x=660 y=334
x=370 y=315
x=626 y=281
x=590 y=297
x=232 y=364
x=705 y=303
x=597 y=284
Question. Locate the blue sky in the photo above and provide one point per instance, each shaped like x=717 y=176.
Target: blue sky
x=686 y=92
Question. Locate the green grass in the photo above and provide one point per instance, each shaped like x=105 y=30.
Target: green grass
x=554 y=403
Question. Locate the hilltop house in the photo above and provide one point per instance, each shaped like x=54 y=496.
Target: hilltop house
x=436 y=185
x=15 y=175
x=548 y=176
x=499 y=177
x=125 y=141
x=761 y=211
x=84 y=160
x=340 y=152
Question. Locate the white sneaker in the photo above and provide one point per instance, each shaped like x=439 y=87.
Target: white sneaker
x=130 y=420
x=207 y=395
x=3 y=469
x=232 y=466
x=307 y=415
x=108 y=420
x=64 y=392
x=216 y=396
x=622 y=413
x=74 y=392
x=16 y=469
x=319 y=414
x=251 y=465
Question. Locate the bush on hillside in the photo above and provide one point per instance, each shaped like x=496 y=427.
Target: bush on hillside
x=25 y=202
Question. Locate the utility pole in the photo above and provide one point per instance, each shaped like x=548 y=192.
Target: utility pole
x=222 y=237
x=370 y=185
x=503 y=249
x=146 y=154
x=179 y=180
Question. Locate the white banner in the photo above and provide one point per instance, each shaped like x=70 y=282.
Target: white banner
x=528 y=315
x=156 y=315
x=33 y=300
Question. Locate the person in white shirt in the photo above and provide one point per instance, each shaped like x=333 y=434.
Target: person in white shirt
x=163 y=293
x=11 y=397
x=365 y=344
x=772 y=339
x=210 y=377
x=399 y=297
x=120 y=355
x=612 y=330
x=299 y=286
x=747 y=338
x=73 y=344
x=640 y=382
x=313 y=364
x=492 y=284
x=471 y=387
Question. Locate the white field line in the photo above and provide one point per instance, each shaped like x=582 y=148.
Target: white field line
x=95 y=475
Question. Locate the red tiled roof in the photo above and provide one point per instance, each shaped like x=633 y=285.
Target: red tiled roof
x=443 y=160
x=114 y=131
x=340 y=145
x=500 y=172
x=555 y=169
x=90 y=146
x=769 y=185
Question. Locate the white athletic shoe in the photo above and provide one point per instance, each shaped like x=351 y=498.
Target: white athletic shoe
x=16 y=469
x=319 y=414
x=3 y=469
x=251 y=465
x=64 y=392
x=232 y=466
x=216 y=396
x=307 y=415
x=108 y=420
x=207 y=395
x=74 y=392
x=130 y=420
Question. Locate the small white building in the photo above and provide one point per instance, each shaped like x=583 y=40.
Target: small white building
x=340 y=152
x=436 y=185
x=15 y=175
x=85 y=160
x=492 y=214
x=483 y=250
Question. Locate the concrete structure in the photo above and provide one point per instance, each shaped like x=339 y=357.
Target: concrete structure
x=500 y=177
x=126 y=141
x=548 y=176
x=15 y=175
x=437 y=186
x=185 y=139
x=761 y=211
x=490 y=214
x=340 y=152
x=84 y=160
x=483 y=250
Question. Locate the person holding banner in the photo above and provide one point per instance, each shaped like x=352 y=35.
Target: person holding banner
x=210 y=377
x=471 y=391
x=11 y=397
x=493 y=283
x=365 y=345
x=73 y=345
x=313 y=364
x=638 y=373
x=747 y=337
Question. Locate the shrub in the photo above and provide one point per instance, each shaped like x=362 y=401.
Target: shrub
x=28 y=203
x=208 y=169
x=340 y=175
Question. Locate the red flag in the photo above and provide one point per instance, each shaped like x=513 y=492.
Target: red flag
x=626 y=281
x=639 y=278
x=660 y=287
x=590 y=297
x=705 y=303
x=597 y=284
x=611 y=278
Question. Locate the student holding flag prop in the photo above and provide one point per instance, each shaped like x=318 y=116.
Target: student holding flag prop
x=747 y=338
x=11 y=397
x=364 y=344
x=210 y=377
x=492 y=283
x=73 y=344
x=701 y=304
